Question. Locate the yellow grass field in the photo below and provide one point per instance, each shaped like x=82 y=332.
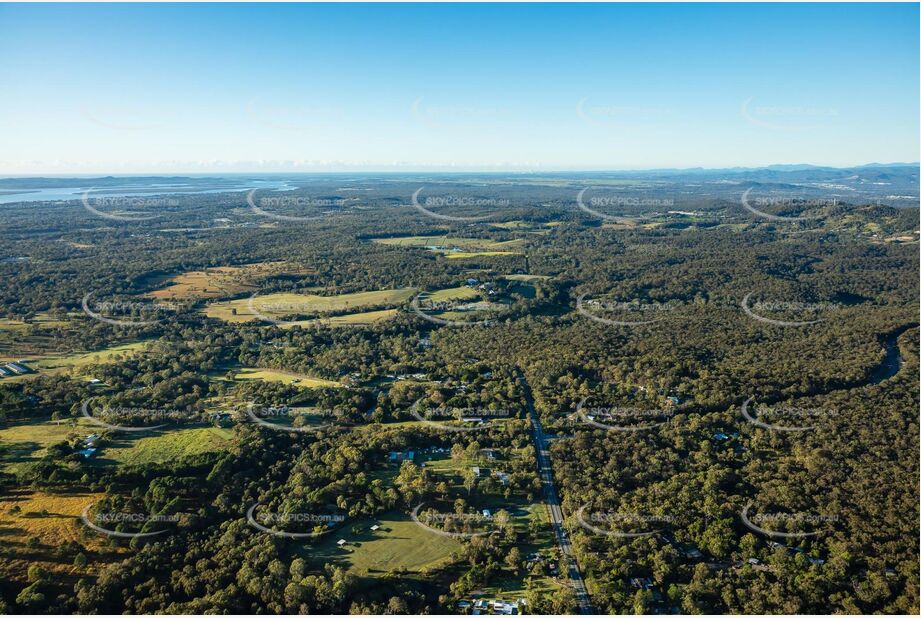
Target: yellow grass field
x=350 y=319
x=53 y=520
x=455 y=247
x=221 y=281
x=280 y=305
x=285 y=377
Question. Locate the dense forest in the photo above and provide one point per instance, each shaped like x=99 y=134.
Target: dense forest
x=724 y=328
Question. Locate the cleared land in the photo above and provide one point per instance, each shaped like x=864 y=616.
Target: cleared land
x=398 y=544
x=285 y=377
x=221 y=281
x=456 y=247
x=165 y=446
x=280 y=305
x=52 y=520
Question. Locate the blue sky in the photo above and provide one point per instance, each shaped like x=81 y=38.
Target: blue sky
x=200 y=88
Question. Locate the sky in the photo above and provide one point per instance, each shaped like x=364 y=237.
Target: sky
x=144 y=88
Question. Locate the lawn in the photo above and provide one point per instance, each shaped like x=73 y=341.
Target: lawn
x=459 y=255
x=56 y=363
x=285 y=377
x=24 y=442
x=458 y=293
x=163 y=446
x=399 y=544
x=277 y=306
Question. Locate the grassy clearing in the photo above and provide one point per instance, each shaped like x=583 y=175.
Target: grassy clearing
x=52 y=520
x=165 y=446
x=285 y=377
x=526 y=277
x=458 y=293
x=450 y=243
x=81 y=359
x=25 y=442
x=286 y=304
x=350 y=319
x=471 y=254
x=222 y=281
x=399 y=544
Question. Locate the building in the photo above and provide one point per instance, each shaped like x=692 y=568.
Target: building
x=397 y=456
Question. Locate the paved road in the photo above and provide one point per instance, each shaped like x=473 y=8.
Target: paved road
x=553 y=500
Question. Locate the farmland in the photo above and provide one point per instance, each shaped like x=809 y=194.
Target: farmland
x=281 y=305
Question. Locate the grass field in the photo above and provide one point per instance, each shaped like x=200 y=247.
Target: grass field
x=81 y=359
x=222 y=281
x=458 y=293
x=526 y=277
x=399 y=544
x=25 y=442
x=52 y=520
x=362 y=318
x=277 y=306
x=455 y=245
x=459 y=255
x=285 y=377
x=164 y=446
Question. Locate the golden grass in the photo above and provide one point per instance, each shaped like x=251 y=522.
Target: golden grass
x=221 y=281
x=52 y=530
x=285 y=377
x=282 y=304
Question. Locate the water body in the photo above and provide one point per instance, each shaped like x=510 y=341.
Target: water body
x=11 y=195
x=892 y=361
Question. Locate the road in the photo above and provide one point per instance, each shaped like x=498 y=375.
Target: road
x=553 y=500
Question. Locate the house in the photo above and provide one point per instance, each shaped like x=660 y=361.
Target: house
x=341 y=542
x=481 y=604
x=94 y=381
x=719 y=435
x=4 y=372
x=671 y=400
x=90 y=440
x=489 y=453
x=477 y=471
x=463 y=604
x=472 y=282
x=471 y=419
x=643 y=583
x=87 y=452
x=754 y=561
x=375 y=528
x=503 y=478
x=487 y=514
